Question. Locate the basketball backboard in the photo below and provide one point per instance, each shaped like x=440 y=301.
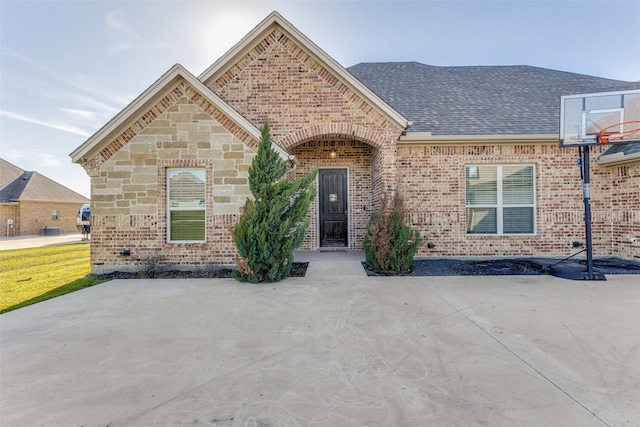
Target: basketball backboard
x=599 y=118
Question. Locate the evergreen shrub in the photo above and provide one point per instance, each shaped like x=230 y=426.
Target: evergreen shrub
x=274 y=222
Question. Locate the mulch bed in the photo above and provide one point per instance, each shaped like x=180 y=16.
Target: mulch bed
x=299 y=269
x=457 y=267
x=503 y=267
x=420 y=267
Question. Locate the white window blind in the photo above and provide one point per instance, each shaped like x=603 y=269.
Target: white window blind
x=500 y=199
x=186 y=200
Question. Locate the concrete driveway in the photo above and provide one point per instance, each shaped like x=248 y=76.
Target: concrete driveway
x=327 y=350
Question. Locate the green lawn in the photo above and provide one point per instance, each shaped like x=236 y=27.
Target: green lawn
x=28 y=276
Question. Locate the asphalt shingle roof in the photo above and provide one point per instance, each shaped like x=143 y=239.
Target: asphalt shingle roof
x=478 y=100
x=8 y=173
x=14 y=190
x=18 y=184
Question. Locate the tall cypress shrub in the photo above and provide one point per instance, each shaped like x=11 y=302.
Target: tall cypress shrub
x=274 y=222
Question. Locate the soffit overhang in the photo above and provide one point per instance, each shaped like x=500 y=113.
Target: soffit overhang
x=147 y=100
x=426 y=138
x=260 y=32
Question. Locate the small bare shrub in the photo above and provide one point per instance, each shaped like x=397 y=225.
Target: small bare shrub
x=390 y=244
x=149 y=265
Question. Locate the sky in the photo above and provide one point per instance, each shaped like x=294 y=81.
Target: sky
x=68 y=67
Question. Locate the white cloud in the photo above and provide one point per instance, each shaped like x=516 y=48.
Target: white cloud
x=114 y=22
x=78 y=83
x=124 y=36
x=30 y=159
x=47 y=160
x=80 y=114
x=94 y=103
x=58 y=126
x=121 y=47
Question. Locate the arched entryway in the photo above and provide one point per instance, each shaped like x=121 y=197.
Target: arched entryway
x=346 y=183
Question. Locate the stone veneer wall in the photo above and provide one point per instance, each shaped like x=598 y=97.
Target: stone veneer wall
x=129 y=192
x=432 y=181
x=356 y=158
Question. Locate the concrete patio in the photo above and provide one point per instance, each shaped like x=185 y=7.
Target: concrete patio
x=335 y=348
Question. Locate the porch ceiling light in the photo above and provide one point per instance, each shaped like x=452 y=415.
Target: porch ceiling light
x=333 y=153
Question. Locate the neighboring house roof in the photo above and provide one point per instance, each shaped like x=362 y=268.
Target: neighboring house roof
x=479 y=100
x=8 y=173
x=29 y=185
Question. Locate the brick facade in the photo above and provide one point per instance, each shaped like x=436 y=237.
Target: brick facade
x=310 y=110
x=9 y=211
x=432 y=180
x=304 y=101
x=30 y=217
x=354 y=156
x=624 y=210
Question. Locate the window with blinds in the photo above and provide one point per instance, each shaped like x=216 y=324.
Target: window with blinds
x=186 y=205
x=500 y=199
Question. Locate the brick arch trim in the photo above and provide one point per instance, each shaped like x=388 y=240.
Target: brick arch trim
x=347 y=130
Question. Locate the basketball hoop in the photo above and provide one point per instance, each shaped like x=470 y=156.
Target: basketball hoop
x=597 y=118
x=605 y=135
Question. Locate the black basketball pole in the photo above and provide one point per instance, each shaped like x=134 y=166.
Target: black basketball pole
x=586 y=197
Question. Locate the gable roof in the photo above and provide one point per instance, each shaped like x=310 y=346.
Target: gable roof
x=29 y=185
x=8 y=173
x=231 y=57
x=479 y=100
x=151 y=96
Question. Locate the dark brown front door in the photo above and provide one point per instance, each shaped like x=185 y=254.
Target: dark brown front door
x=333 y=207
